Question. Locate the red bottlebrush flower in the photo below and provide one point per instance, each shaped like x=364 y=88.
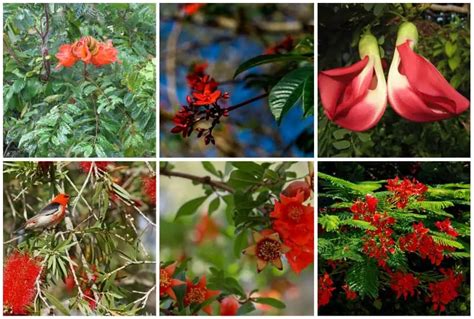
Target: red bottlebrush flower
x=406 y=189
x=325 y=289
x=89 y=297
x=421 y=242
x=295 y=187
x=192 y=8
x=106 y=54
x=403 y=284
x=286 y=45
x=229 y=306
x=206 y=228
x=199 y=293
x=167 y=282
x=350 y=294
x=149 y=187
x=69 y=283
x=446 y=290
x=446 y=227
x=20 y=273
x=86 y=166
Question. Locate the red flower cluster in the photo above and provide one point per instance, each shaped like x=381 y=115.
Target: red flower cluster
x=86 y=166
x=446 y=290
x=149 y=187
x=420 y=241
x=203 y=104
x=325 y=289
x=294 y=222
x=86 y=280
x=284 y=46
x=20 y=273
x=350 y=294
x=191 y=8
x=87 y=50
x=378 y=243
x=403 y=284
x=406 y=189
x=446 y=227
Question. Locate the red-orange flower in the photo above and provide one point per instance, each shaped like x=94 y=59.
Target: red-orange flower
x=88 y=50
x=206 y=228
x=199 y=293
x=229 y=306
x=350 y=294
x=295 y=187
x=86 y=166
x=192 y=8
x=149 y=184
x=208 y=96
x=65 y=56
x=167 y=282
x=19 y=279
x=268 y=248
x=106 y=54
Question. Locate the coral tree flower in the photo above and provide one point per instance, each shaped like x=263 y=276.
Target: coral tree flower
x=268 y=248
x=167 y=282
x=198 y=293
x=355 y=97
x=19 y=282
x=417 y=91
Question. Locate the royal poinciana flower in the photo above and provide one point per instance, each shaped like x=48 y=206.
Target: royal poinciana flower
x=229 y=306
x=202 y=105
x=403 y=284
x=86 y=166
x=149 y=187
x=446 y=227
x=199 y=293
x=355 y=97
x=294 y=222
x=88 y=50
x=167 y=282
x=350 y=294
x=268 y=249
x=406 y=189
x=325 y=289
x=20 y=273
x=446 y=290
x=417 y=91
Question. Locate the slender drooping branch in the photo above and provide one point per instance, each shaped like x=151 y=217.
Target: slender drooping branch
x=206 y=180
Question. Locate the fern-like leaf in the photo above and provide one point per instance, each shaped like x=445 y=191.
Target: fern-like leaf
x=364 y=278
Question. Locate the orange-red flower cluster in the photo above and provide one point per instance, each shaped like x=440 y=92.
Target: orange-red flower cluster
x=350 y=294
x=445 y=290
x=88 y=50
x=294 y=221
x=403 y=284
x=325 y=289
x=149 y=187
x=406 y=189
x=20 y=273
x=446 y=227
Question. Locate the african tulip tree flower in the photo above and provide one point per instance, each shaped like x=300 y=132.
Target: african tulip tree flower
x=167 y=282
x=417 y=91
x=198 y=293
x=268 y=248
x=355 y=97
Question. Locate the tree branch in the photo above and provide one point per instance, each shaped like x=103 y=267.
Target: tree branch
x=450 y=8
x=206 y=180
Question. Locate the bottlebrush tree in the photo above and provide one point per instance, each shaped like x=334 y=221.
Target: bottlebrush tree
x=265 y=75
x=393 y=247
x=79 y=80
x=252 y=247
x=100 y=257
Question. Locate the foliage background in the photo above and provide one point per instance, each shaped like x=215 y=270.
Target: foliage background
x=226 y=35
x=178 y=242
x=63 y=115
x=109 y=232
x=371 y=176
x=444 y=39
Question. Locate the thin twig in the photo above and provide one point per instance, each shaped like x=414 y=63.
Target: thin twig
x=199 y=179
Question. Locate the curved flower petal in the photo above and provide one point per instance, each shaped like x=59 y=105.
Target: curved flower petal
x=355 y=97
x=106 y=54
x=65 y=56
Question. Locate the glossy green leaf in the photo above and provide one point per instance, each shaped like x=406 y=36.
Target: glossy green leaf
x=268 y=58
x=190 y=207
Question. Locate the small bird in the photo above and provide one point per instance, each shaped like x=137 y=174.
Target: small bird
x=51 y=215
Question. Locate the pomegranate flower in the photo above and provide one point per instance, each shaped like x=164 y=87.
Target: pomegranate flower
x=417 y=91
x=199 y=293
x=167 y=282
x=355 y=97
x=268 y=248
x=229 y=306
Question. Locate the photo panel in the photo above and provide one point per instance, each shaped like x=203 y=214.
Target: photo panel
x=394 y=238
x=79 y=238
x=236 y=238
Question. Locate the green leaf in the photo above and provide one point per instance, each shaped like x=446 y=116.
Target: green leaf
x=59 y=306
x=329 y=222
x=450 y=48
x=454 y=62
x=362 y=224
x=308 y=96
x=243 y=180
x=245 y=308
x=439 y=239
x=240 y=243
x=213 y=205
x=341 y=145
x=268 y=58
x=275 y=303
x=364 y=278
x=208 y=166
x=288 y=91
x=190 y=207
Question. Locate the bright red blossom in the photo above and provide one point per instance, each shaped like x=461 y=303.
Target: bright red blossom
x=199 y=293
x=446 y=290
x=229 y=306
x=325 y=289
x=446 y=227
x=350 y=294
x=149 y=187
x=20 y=273
x=406 y=189
x=192 y=8
x=167 y=282
x=403 y=284
x=86 y=166
x=297 y=186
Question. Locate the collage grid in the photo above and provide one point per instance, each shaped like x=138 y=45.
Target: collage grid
x=135 y=169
